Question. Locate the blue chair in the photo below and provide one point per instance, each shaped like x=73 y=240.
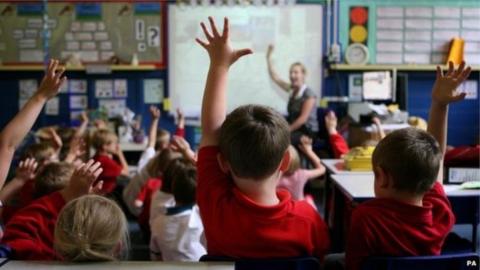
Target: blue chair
x=461 y=261
x=296 y=263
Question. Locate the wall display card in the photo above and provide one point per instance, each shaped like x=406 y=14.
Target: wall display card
x=78 y=102
x=377 y=85
x=120 y=88
x=103 y=88
x=31 y=56
x=53 y=106
x=78 y=86
x=153 y=36
x=152 y=91
x=75 y=115
x=470 y=87
x=35 y=23
x=27 y=88
x=113 y=107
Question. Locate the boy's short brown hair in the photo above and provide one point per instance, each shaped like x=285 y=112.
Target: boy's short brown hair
x=184 y=182
x=412 y=157
x=163 y=138
x=41 y=152
x=54 y=176
x=156 y=167
x=253 y=139
x=102 y=137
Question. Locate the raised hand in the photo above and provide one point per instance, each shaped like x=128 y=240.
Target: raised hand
x=84 y=117
x=331 y=122
x=269 y=51
x=305 y=144
x=55 y=138
x=218 y=46
x=76 y=150
x=155 y=113
x=26 y=169
x=180 y=144
x=81 y=182
x=52 y=81
x=444 y=89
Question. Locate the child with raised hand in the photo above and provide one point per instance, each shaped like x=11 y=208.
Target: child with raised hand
x=410 y=215
x=295 y=178
x=29 y=234
x=337 y=142
x=240 y=161
x=91 y=228
x=18 y=127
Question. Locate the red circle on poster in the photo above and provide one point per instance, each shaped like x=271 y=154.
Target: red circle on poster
x=358 y=15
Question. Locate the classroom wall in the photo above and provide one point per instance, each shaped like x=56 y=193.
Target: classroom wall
x=463 y=124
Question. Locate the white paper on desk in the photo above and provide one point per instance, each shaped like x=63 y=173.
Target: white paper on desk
x=384 y=46
x=471 y=23
x=390 y=24
x=52 y=107
x=445 y=34
x=470 y=87
x=78 y=86
x=446 y=12
x=417 y=58
x=472 y=47
x=377 y=85
x=471 y=12
x=418 y=46
x=418 y=24
x=389 y=58
x=120 y=88
x=471 y=35
x=395 y=12
x=419 y=12
x=114 y=107
x=152 y=91
x=78 y=102
x=390 y=35
x=446 y=24
x=417 y=35
x=103 y=88
x=27 y=88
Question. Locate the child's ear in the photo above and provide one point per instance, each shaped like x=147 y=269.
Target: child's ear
x=285 y=163
x=224 y=166
x=382 y=178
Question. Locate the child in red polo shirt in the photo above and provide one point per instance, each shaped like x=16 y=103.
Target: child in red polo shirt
x=240 y=161
x=111 y=157
x=29 y=234
x=411 y=214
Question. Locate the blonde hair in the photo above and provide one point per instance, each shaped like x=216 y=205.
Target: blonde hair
x=41 y=152
x=294 y=160
x=54 y=176
x=102 y=137
x=302 y=67
x=91 y=228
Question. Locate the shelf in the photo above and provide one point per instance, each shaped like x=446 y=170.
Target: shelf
x=391 y=67
x=82 y=68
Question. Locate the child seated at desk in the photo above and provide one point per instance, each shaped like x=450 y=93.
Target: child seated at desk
x=411 y=214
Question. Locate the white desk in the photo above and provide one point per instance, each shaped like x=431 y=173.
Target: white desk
x=337 y=166
x=360 y=187
x=127 y=265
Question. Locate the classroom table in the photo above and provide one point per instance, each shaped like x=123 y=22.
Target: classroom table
x=126 y=265
x=334 y=167
x=355 y=189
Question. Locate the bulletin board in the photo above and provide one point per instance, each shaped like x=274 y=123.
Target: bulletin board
x=411 y=32
x=93 y=31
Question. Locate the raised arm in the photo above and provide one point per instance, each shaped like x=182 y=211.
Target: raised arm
x=271 y=71
x=83 y=125
x=444 y=93
x=379 y=132
x=25 y=172
x=152 y=133
x=17 y=128
x=337 y=142
x=306 y=147
x=307 y=106
x=214 y=104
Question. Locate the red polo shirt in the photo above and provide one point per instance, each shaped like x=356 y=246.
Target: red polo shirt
x=111 y=170
x=30 y=232
x=389 y=227
x=236 y=226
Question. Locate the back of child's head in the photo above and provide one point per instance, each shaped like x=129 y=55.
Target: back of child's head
x=54 y=176
x=253 y=140
x=163 y=139
x=294 y=160
x=412 y=157
x=42 y=152
x=177 y=167
x=91 y=228
x=157 y=166
x=184 y=183
x=102 y=137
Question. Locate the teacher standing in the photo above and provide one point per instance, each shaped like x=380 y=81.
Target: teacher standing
x=302 y=113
